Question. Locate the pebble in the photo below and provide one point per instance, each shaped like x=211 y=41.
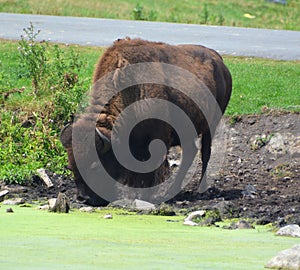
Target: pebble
x=195 y=214
x=14 y=201
x=143 y=205
x=44 y=207
x=190 y=223
x=3 y=193
x=292 y=230
x=87 y=209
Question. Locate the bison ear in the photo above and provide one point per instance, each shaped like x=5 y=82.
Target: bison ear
x=66 y=135
x=117 y=75
x=106 y=144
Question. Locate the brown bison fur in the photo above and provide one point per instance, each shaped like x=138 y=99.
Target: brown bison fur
x=204 y=63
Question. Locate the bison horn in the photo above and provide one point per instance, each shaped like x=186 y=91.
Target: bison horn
x=105 y=141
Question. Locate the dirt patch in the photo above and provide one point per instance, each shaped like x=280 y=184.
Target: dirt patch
x=259 y=179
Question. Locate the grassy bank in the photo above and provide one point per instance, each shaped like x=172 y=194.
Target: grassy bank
x=254 y=13
x=33 y=239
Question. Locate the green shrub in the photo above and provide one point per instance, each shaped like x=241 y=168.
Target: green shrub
x=25 y=149
x=29 y=138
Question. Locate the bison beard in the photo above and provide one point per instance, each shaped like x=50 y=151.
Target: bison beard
x=206 y=64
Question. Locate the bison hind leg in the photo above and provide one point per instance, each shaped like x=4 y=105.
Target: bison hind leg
x=205 y=156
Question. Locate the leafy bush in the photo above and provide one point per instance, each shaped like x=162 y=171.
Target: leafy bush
x=29 y=138
x=53 y=71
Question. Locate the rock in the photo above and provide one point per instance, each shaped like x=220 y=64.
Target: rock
x=108 y=216
x=44 y=207
x=195 y=214
x=60 y=205
x=190 y=223
x=250 y=191
x=143 y=205
x=210 y=221
x=9 y=210
x=283 y=143
x=288 y=259
x=292 y=230
x=14 y=201
x=16 y=189
x=87 y=209
x=125 y=203
x=51 y=203
x=44 y=176
x=3 y=193
x=204 y=218
x=241 y=224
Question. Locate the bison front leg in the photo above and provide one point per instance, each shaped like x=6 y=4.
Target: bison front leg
x=205 y=156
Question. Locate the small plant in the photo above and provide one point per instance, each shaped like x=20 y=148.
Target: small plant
x=260 y=141
x=54 y=72
x=33 y=57
x=281 y=171
x=205 y=15
x=138 y=13
x=221 y=19
x=235 y=119
x=152 y=15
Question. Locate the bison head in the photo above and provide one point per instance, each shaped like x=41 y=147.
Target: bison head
x=84 y=193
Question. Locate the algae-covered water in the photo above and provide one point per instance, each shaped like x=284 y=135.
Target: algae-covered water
x=35 y=239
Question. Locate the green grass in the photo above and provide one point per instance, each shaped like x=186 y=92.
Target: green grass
x=259 y=83
x=256 y=82
x=264 y=14
x=34 y=239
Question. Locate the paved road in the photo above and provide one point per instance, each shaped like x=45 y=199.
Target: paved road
x=276 y=44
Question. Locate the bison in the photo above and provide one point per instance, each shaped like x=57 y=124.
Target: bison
x=204 y=63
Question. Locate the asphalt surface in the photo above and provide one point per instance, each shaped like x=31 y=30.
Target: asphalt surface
x=276 y=44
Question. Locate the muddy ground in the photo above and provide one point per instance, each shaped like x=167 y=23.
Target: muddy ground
x=260 y=176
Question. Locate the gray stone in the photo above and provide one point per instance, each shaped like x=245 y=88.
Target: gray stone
x=250 y=191
x=241 y=224
x=44 y=207
x=195 y=214
x=3 y=193
x=87 y=209
x=14 y=201
x=51 y=203
x=190 y=223
x=16 y=189
x=284 y=143
x=60 y=205
x=125 y=203
x=292 y=230
x=288 y=259
x=143 y=205
x=108 y=216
